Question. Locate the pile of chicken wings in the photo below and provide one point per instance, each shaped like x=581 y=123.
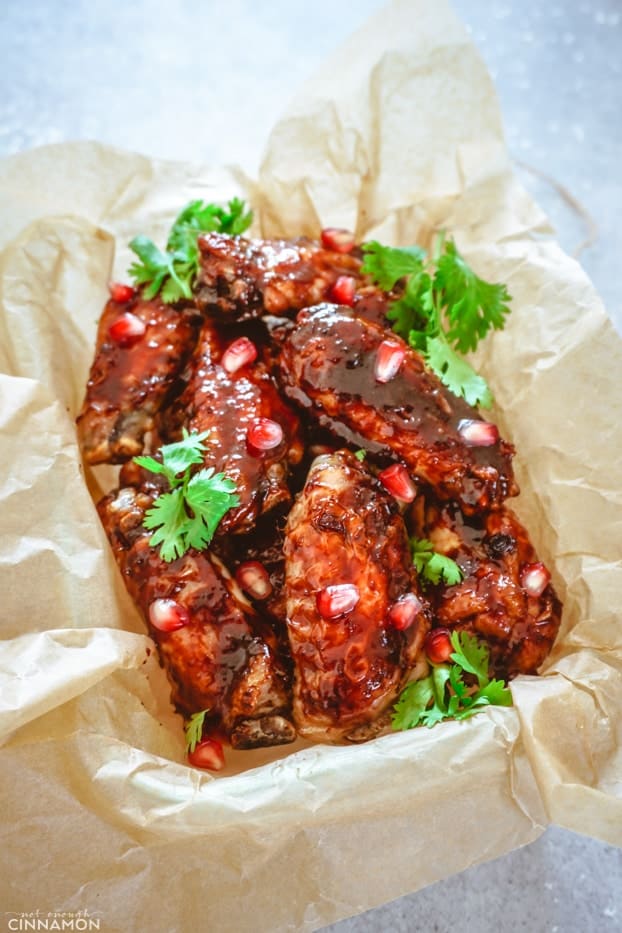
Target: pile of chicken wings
x=305 y=616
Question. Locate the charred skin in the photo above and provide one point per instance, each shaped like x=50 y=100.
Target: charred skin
x=226 y=659
x=345 y=528
x=128 y=385
x=227 y=405
x=243 y=278
x=327 y=366
x=492 y=551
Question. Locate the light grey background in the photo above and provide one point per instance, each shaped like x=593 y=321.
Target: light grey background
x=205 y=81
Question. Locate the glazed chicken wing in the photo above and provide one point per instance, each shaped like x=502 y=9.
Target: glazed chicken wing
x=218 y=653
x=506 y=597
x=141 y=348
x=333 y=363
x=253 y=434
x=355 y=617
x=249 y=278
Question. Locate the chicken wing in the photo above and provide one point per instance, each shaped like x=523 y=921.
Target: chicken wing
x=254 y=435
x=329 y=365
x=141 y=348
x=217 y=652
x=506 y=597
x=249 y=278
x=356 y=619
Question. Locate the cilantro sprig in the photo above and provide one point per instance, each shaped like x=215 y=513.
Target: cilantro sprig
x=194 y=730
x=444 y=310
x=188 y=515
x=444 y=694
x=171 y=272
x=431 y=566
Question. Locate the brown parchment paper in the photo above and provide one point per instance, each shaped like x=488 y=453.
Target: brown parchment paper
x=398 y=136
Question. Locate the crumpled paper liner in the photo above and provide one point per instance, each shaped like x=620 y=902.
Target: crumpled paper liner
x=397 y=137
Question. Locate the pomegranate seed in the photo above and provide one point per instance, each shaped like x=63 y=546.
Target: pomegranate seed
x=396 y=480
x=241 y=352
x=478 y=433
x=254 y=579
x=167 y=616
x=120 y=292
x=264 y=435
x=403 y=613
x=389 y=358
x=337 y=239
x=342 y=292
x=208 y=754
x=126 y=329
x=535 y=578
x=337 y=600
x=438 y=646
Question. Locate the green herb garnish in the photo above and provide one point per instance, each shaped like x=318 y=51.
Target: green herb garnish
x=171 y=272
x=188 y=515
x=443 y=694
x=431 y=566
x=194 y=729
x=444 y=310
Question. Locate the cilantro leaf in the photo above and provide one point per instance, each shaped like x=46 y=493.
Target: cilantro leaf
x=431 y=716
x=184 y=453
x=176 y=457
x=422 y=550
x=196 y=217
x=148 y=463
x=168 y=516
x=440 y=676
x=154 y=268
x=456 y=373
x=473 y=305
x=188 y=515
x=496 y=693
x=457 y=684
x=443 y=694
x=360 y=455
x=444 y=309
x=431 y=566
x=210 y=498
x=176 y=287
x=172 y=273
x=471 y=655
x=387 y=264
x=414 y=311
x=440 y=567
x=412 y=704
x=200 y=217
x=194 y=729
x=235 y=220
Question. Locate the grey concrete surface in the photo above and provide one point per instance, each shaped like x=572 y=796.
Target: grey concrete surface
x=205 y=81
